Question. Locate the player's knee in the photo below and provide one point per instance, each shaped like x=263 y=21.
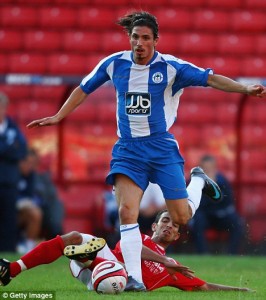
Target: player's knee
x=72 y=238
x=127 y=215
x=181 y=219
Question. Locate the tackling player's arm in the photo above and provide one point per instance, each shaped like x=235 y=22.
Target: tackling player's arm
x=209 y=287
x=73 y=101
x=170 y=264
x=229 y=85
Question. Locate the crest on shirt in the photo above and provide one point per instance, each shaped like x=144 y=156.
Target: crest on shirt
x=138 y=104
x=157 y=77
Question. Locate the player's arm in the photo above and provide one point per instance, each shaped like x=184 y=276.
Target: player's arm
x=73 y=101
x=219 y=287
x=229 y=85
x=170 y=264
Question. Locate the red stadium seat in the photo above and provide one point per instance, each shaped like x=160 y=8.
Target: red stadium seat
x=66 y=64
x=248 y=21
x=114 y=42
x=187 y=135
x=18 y=16
x=196 y=112
x=191 y=3
x=225 y=4
x=105 y=3
x=215 y=137
x=227 y=112
x=86 y=113
x=254 y=66
x=16 y=92
x=107 y=131
x=48 y=92
x=92 y=60
x=189 y=94
x=42 y=40
x=27 y=63
x=99 y=173
x=81 y=41
x=255 y=112
x=173 y=20
x=193 y=153
x=254 y=135
x=193 y=59
x=261 y=44
x=121 y=11
x=106 y=111
x=146 y=5
x=190 y=58
x=30 y=108
x=83 y=224
x=252 y=201
x=232 y=44
x=200 y=94
x=10 y=40
x=105 y=93
x=208 y=95
x=228 y=66
x=256 y=4
x=168 y=43
x=84 y=207
x=94 y=18
x=253 y=160
x=198 y=43
x=4 y=65
x=257 y=230
x=83 y=155
x=57 y=17
x=81 y=199
x=34 y=2
x=208 y=19
x=76 y=2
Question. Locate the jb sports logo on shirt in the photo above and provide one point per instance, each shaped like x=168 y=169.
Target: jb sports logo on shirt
x=138 y=104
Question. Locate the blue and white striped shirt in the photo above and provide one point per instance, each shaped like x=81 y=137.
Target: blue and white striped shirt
x=147 y=95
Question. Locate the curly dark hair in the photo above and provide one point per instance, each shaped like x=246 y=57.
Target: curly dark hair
x=158 y=217
x=141 y=18
x=159 y=214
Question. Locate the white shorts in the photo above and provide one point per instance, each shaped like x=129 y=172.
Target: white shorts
x=82 y=273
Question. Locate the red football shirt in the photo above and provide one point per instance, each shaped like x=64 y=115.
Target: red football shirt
x=155 y=274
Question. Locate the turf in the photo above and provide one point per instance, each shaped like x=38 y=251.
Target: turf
x=242 y=271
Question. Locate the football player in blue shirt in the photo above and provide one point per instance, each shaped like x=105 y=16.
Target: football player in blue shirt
x=148 y=85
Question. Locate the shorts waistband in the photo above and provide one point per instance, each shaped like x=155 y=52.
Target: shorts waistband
x=147 y=138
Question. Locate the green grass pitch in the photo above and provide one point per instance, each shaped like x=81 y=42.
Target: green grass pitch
x=229 y=270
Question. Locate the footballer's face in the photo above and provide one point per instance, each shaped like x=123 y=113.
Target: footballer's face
x=165 y=231
x=142 y=44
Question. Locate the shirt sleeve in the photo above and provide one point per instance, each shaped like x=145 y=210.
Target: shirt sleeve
x=95 y=79
x=100 y=74
x=188 y=74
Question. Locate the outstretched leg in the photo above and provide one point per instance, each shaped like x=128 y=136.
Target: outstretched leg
x=44 y=253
